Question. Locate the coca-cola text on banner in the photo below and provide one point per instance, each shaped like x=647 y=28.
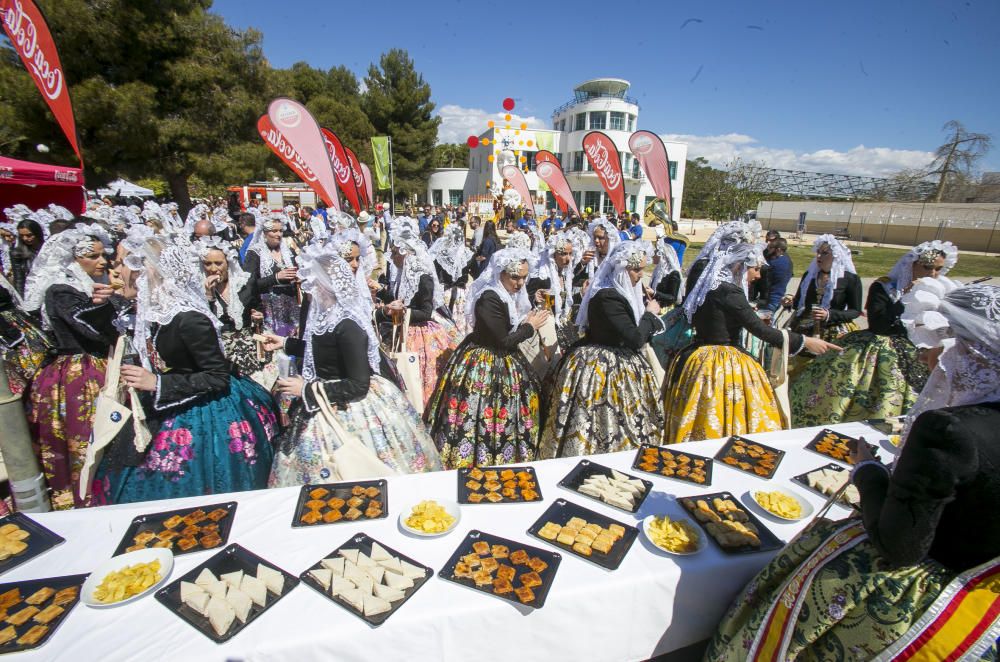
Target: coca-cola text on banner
x=286 y=152
x=29 y=35
x=359 y=176
x=514 y=175
x=649 y=149
x=341 y=164
x=300 y=129
x=548 y=169
x=604 y=159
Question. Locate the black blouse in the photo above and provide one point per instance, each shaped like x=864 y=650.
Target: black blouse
x=447 y=281
x=341 y=360
x=610 y=322
x=667 y=289
x=78 y=326
x=943 y=497
x=726 y=312
x=193 y=364
x=493 y=329
x=248 y=297
x=845 y=304
x=266 y=283
x=884 y=313
x=421 y=305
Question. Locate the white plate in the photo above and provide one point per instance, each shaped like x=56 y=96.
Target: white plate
x=807 y=508
x=165 y=556
x=450 y=507
x=648 y=520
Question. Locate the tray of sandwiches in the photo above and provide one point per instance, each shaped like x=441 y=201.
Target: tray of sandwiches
x=182 y=531
x=827 y=480
x=607 y=485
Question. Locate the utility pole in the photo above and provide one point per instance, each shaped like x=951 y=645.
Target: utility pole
x=392 y=180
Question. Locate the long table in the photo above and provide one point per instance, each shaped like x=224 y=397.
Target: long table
x=652 y=604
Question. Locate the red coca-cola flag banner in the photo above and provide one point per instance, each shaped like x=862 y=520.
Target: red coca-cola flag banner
x=649 y=149
x=337 y=155
x=359 y=176
x=549 y=171
x=280 y=146
x=369 y=193
x=29 y=35
x=604 y=159
x=301 y=131
x=516 y=178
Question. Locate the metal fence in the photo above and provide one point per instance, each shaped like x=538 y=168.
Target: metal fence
x=971 y=226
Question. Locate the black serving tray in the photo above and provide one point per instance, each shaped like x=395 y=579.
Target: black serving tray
x=342 y=491
x=547 y=575
x=768 y=541
x=841 y=439
x=464 y=491
x=585 y=469
x=232 y=558
x=154 y=522
x=802 y=480
x=39 y=541
x=561 y=511
x=727 y=449
x=637 y=464
x=363 y=542
x=28 y=587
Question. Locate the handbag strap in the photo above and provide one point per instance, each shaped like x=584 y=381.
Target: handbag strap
x=113 y=372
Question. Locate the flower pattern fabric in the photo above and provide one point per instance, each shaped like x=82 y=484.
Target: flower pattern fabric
x=433 y=342
x=281 y=314
x=23 y=361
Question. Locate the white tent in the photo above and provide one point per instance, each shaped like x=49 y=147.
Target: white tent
x=126 y=189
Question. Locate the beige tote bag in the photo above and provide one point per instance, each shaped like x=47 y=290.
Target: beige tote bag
x=110 y=416
x=352 y=460
x=408 y=365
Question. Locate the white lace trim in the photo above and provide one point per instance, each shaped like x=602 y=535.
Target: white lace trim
x=729 y=266
x=519 y=305
x=237 y=277
x=56 y=264
x=842 y=263
x=613 y=274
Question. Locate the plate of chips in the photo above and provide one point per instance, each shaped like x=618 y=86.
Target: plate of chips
x=673 y=535
x=782 y=504
x=429 y=518
x=127 y=577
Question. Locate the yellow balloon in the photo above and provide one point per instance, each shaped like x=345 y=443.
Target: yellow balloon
x=524 y=126
x=520 y=142
x=516 y=132
x=530 y=143
x=507 y=117
x=490 y=158
x=507 y=126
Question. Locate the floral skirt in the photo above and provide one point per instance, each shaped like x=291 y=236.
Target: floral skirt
x=281 y=314
x=676 y=335
x=874 y=377
x=22 y=361
x=433 y=342
x=384 y=422
x=603 y=399
x=484 y=410
x=714 y=391
x=222 y=444
x=854 y=606
x=61 y=415
x=798 y=363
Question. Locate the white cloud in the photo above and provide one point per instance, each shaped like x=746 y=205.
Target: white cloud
x=458 y=122
x=860 y=160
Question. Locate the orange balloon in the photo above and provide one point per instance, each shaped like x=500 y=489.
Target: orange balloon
x=490 y=158
x=524 y=126
x=485 y=141
x=490 y=124
x=530 y=143
x=524 y=159
x=507 y=117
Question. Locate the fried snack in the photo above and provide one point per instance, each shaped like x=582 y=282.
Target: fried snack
x=779 y=503
x=187 y=543
x=372 y=492
x=500 y=551
x=318 y=493
x=549 y=531
x=357 y=490
x=519 y=557
x=353 y=513
x=430 y=517
x=492 y=485
x=315 y=504
x=677 y=536
x=21 y=617
x=472 y=560
x=163 y=544
x=475 y=497
x=475 y=473
x=603 y=544
x=506 y=572
x=144 y=537
x=473 y=485
x=66 y=595
x=309 y=517
x=10 y=598
x=197 y=516
x=332 y=516
x=336 y=502
x=566 y=537
x=33 y=636
x=535 y=564
x=482 y=578
x=167 y=534
x=172 y=522
x=131 y=580
x=190 y=530
x=491 y=475
x=7 y=634
x=211 y=540
x=493 y=497
x=481 y=547
x=48 y=614
x=40 y=596
x=462 y=569
x=490 y=564
x=524 y=594
x=582 y=549
x=506 y=474
x=502 y=586
x=529 y=494
x=373 y=510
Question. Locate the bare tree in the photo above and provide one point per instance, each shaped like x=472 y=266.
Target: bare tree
x=747 y=182
x=958 y=156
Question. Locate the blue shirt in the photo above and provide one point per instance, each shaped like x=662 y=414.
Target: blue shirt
x=778 y=276
x=636 y=231
x=422 y=223
x=244 y=247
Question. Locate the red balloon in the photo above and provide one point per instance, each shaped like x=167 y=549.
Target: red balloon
x=473 y=142
x=508 y=104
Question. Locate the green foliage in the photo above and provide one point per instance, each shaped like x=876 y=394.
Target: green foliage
x=451 y=156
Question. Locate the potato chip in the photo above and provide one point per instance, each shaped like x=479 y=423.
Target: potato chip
x=429 y=517
x=780 y=504
x=678 y=536
x=131 y=580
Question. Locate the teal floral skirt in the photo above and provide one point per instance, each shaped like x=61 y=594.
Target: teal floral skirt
x=677 y=335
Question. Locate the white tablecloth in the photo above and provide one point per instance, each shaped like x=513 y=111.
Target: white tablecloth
x=651 y=604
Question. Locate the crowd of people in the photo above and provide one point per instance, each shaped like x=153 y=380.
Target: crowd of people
x=257 y=348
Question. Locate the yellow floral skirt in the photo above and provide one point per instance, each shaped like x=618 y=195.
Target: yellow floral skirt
x=715 y=391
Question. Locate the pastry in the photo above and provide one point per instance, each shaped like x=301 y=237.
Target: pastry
x=66 y=595
x=524 y=594
x=7 y=634
x=318 y=493
x=33 y=636
x=48 y=614
x=40 y=596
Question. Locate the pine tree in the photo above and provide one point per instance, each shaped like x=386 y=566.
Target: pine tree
x=398 y=103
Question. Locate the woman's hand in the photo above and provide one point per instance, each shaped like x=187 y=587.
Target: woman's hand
x=211 y=282
x=819 y=346
x=138 y=378
x=291 y=386
x=588 y=255
x=540 y=296
x=256 y=316
x=537 y=318
x=653 y=306
x=101 y=294
x=395 y=305
x=860 y=452
x=287 y=275
x=272 y=343
x=821 y=314
x=786 y=301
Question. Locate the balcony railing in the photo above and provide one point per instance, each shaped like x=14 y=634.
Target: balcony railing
x=591 y=97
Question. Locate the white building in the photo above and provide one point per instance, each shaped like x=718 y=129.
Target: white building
x=599 y=104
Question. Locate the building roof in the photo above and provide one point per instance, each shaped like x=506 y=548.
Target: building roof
x=600 y=87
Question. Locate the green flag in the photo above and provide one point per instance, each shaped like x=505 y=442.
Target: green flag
x=380 y=149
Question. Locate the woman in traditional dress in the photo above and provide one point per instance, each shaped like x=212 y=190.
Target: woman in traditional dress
x=605 y=396
x=30 y=239
x=341 y=357
x=551 y=280
x=76 y=308
x=877 y=375
x=714 y=388
x=24 y=345
x=667 y=281
x=431 y=335
x=917 y=571
x=829 y=297
x=232 y=298
x=270 y=264
x=485 y=409
x=453 y=262
x=211 y=429
x=603 y=239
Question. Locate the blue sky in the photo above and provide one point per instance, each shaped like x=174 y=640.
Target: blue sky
x=847 y=86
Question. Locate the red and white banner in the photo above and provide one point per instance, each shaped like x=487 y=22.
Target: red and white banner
x=286 y=152
x=369 y=183
x=549 y=171
x=516 y=178
x=299 y=129
x=604 y=159
x=337 y=156
x=359 y=176
x=29 y=35
x=649 y=149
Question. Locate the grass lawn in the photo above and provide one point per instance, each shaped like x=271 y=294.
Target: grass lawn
x=875 y=262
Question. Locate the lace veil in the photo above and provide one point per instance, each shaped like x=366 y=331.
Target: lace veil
x=729 y=266
x=56 y=264
x=668 y=264
x=259 y=245
x=450 y=251
x=418 y=262
x=613 y=274
x=901 y=274
x=237 y=277
x=509 y=260
x=842 y=263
